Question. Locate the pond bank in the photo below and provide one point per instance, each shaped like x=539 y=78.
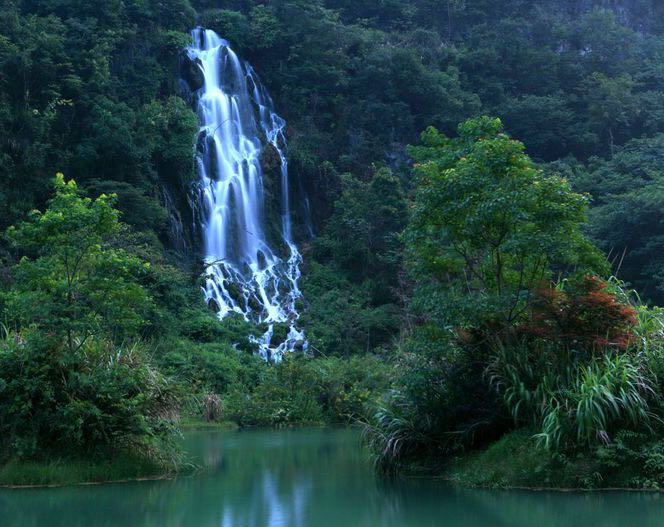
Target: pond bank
x=515 y=463
x=310 y=477
x=22 y=474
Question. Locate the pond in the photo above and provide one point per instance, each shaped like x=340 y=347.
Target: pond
x=310 y=478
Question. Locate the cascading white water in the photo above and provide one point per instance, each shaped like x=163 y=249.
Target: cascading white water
x=243 y=273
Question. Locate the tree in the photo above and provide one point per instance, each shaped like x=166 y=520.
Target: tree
x=612 y=104
x=627 y=217
x=71 y=281
x=488 y=227
x=352 y=296
x=523 y=117
x=375 y=213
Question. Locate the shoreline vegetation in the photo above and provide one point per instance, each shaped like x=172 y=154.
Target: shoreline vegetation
x=512 y=463
x=527 y=360
x=508 y=464
x=70 y=472
x=62 y=472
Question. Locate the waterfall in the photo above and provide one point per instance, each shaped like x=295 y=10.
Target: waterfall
x=244 y=273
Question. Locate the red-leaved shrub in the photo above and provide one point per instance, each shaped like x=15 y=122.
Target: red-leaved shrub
x=587 y=317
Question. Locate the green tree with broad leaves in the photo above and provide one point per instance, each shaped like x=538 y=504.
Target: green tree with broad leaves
x=488 y=227
x=72 y=278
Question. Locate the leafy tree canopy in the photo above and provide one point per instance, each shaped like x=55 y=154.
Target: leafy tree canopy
x=488 y=226
x=72 y=278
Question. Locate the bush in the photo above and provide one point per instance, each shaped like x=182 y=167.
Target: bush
x=573 y=370
x=215 y=367
x=304 y=390
x=95 y=401
x=584 y=314
x=346 y=388
x=440 y=404
x=203 y=325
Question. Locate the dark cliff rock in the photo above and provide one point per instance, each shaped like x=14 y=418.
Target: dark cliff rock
x=191 y=76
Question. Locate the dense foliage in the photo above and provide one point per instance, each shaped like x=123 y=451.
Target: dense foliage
x=74 y=381
x=70 y=280
x=511 y=310
x=488 y=227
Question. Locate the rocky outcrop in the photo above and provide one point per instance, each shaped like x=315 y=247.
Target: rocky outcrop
x=191 y=75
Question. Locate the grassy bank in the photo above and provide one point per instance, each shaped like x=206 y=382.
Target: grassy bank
x=62 y=472
x=516 y=462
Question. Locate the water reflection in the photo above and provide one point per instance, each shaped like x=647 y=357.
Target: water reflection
x=310 y=478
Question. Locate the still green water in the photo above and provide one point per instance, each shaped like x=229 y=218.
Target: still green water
x=310 y=478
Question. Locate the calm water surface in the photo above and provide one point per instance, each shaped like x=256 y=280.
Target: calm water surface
x=310 y=478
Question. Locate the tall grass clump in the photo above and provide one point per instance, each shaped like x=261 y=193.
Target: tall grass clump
x=574 y=403
x=440 y=404
x=578 y=370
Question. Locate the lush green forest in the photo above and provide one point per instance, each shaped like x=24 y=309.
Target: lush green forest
x=484 y=181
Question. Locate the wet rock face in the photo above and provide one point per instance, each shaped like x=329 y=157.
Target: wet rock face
x=181 y=236
x=176 y=230
x=191 y=75
x=271 y=165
